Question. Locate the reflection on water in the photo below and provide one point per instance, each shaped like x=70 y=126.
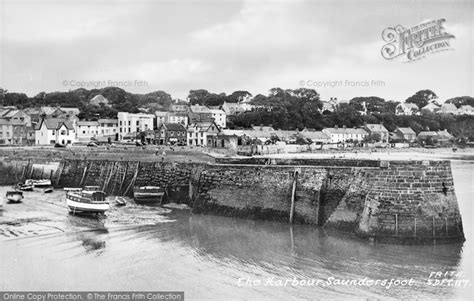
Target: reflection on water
x=207 y=256
x=90 y=229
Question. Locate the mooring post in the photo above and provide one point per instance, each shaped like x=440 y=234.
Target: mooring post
x=415 y=227
x=434 y=230
x=396 y=224
x=293 y=192
x=84 y=172
x=446 y=220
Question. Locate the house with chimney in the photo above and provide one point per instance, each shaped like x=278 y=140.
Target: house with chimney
x=203 y=133
x=55 y=130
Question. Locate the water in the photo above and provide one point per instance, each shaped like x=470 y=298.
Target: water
x=208 y=257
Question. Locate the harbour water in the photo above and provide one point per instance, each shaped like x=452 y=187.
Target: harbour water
x=210 y=257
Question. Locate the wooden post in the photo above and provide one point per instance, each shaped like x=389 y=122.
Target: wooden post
x=84 y=172
x=415 y=227
x=42 y=172
x=132 y=182
x=396 y=224
x=293 y=192
x=446 y=219
x=123 y=178
x=60 y=171
x=434 y=230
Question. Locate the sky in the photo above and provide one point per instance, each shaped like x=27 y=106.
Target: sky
x=332 y=46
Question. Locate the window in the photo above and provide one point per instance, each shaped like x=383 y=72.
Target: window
x=120 y=122
x=63 y=132
x=129 y=123
x=83 y=132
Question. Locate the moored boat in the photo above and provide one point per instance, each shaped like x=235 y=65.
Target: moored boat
x=88 y=200
x=24 y=187
x=148 y=193
x=48 y=190
x=14 y=196
x=120 y=201
x=39 y=183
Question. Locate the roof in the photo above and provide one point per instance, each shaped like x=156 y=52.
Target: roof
x=409 y=105
x=73 y=111
x=430 y=106
x=87 y=123
x=427 y=133
x=4 y=121
x=199 y=109
x=315 y=135
x=108 y=120
x=444 y=134
x=47 y=110
x=55 y=123
x=448 y=107
x=98 y=99
x=203 y=125
x=217 y=111
x=161 y=114
x=374 y=127
x=174 y=127
x=406 y=130
x=353 y=131
x=466 y=107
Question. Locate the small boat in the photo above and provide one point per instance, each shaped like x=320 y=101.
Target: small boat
x=14 y=196
x=24 y=187
x=48 y=190
x=39 y=183
x=148 y=193
x=120 y=201
x=88 y=200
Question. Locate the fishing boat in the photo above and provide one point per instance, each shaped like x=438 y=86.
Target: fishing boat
x=148 y=193
x=39 y=183
x=88 y=200
x=14 y=196
x=48 y=190
x=24 y=187
x=120 y=201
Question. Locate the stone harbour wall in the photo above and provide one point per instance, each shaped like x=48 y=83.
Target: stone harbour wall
x=395 y=201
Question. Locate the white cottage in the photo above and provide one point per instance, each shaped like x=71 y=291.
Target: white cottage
x=55 y=130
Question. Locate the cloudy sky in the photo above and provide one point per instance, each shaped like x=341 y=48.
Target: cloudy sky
x=223 y=46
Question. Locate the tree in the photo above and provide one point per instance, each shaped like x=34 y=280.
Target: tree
x=422 y=98
x=461 y=101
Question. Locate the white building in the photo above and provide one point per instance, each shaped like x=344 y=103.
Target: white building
x=181 y=118
x=131 y=124
x=466 y=110
x=108 y=127
x=202 y=133
x=220 y=117
x=406 y=108
x=86 y=130
x=55 y=130
x=337 y=135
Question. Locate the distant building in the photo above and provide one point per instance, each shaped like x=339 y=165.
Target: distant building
x=220 y=117
x=161 y=117
x=98 y=100
x=12 y=132
x=178 y=117
x=202 y=133
x=131 y=124
x=344 y=135
x=55 y=130
x=431 y=107
x=406 y=108
x=377 y=130
x=87 y=130
x=406 y=134
x=198 y=113
x=108 y=128
x=231 y=108
x=316 y=136
x=466 y=110
x=183 y=108
x=448 y=108
x=171 y=133
x=440 y=138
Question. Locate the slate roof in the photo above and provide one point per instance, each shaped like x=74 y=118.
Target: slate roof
x=176 y=127
x=55 y=123
x=406 y=130
x=374 y=127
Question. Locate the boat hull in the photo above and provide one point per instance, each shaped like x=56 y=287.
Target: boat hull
x=86 y=207
x=14 y=197
x=148 y=194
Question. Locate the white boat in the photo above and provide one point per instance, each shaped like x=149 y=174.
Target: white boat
x=88 y=200
x=14 y=196
x=39 y=183
x=148 y=193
